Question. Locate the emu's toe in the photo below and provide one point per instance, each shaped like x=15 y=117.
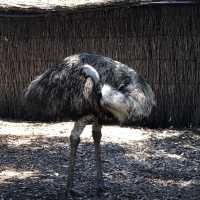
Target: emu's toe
x=75 y=193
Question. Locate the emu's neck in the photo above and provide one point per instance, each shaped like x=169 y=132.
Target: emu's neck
x=92 y=73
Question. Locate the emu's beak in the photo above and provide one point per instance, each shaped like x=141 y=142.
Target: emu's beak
x=82 y=78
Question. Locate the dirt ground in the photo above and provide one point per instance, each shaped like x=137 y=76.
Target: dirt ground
x=141 y=164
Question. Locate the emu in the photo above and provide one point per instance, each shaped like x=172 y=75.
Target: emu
x=89 y=89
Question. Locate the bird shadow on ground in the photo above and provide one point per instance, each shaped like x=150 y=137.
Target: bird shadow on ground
x=157 y=168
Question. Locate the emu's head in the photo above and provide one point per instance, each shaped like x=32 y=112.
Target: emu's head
x=92 y=83
x=87 y=71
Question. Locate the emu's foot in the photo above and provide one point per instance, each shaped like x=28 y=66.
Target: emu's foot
x=101 y=187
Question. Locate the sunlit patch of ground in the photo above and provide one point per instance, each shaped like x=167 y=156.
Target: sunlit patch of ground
x=138 y=163
x=9 y=174
x=64 y=128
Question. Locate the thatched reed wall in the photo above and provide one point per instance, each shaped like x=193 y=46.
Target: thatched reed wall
x=161 y=42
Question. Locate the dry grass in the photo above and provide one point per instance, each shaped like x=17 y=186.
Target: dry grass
x=162 y=43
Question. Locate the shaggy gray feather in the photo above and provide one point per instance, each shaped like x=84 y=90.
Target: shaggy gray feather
x=111 y=90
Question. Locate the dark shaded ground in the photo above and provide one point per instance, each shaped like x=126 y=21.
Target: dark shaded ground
x=164 y=165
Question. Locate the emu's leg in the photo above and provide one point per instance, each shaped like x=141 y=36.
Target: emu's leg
x=96 y=134
x=74 y=141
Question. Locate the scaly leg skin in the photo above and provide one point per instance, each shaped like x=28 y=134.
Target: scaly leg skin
x=96 y=134
x=74 y=142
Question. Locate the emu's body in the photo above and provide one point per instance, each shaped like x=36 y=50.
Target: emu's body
x=111 y=90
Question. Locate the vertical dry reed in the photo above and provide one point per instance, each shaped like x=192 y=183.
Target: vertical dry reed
x=161 y=42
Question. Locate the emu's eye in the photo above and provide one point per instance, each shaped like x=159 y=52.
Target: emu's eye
x=82 y=74
x=82 y=77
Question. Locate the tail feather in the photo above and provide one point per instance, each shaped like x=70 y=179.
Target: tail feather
x=115 y=102
x=131 y=105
